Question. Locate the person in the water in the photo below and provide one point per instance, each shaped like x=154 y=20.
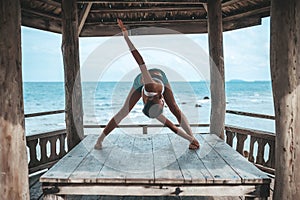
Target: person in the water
x=154 y=88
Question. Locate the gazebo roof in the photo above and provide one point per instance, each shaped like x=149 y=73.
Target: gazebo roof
x=98 y=17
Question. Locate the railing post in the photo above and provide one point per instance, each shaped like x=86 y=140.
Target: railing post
x=240 y=142
x=260 y=152
x=145 y=129
x=252 y=142
x=32 y=152
x=62 y=151
x=229 y=137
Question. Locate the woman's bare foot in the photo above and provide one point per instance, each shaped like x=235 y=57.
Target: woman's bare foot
x=98 y=145
x=194 y=144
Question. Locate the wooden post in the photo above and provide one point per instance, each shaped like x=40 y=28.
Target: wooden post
x=217 y=84
x=73 y=93
x=285 y=71
x=13 y=156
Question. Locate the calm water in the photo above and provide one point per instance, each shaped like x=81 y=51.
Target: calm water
x=102 y=100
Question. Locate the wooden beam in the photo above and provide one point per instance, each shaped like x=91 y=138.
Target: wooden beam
x=51 y=2
x=73 y=93
x=41 y=23
x=145 y=2
x=182 y=26
x=285 y=71
x=13 y=156
x=41 y=14
x=150 y=22
x=217 y=79
x=241 y=23
x=83 y=15
x=109 y=30
x=229 y=3
x=159 y=9
x=250 y=13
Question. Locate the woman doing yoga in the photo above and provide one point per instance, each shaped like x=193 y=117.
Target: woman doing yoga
x=153 y=86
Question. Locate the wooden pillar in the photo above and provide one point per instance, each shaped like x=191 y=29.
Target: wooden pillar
x=217 y=84
x=73 y=93
x=13 y=156
x=285 y=71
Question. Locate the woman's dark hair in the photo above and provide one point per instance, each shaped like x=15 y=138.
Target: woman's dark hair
x=152 y=109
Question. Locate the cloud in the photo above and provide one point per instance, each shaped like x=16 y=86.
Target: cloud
x=185 y=57
x=246 y=53
x=179 y=56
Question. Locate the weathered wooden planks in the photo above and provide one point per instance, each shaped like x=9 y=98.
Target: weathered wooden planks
x=140 y=164
x=215 y=164
x=92 y=164
x=156 y=164
x=192 y=168
x=114 y=169
x=62 y=170
x=246 y=171
x=166 y=167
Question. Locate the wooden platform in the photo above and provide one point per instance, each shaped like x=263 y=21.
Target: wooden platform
x=154 y=165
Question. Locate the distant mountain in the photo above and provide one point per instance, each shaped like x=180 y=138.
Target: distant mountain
x=236 y=81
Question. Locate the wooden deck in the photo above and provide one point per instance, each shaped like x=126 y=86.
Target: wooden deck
x=154 y=165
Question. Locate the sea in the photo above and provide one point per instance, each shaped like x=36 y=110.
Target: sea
x=101 y=100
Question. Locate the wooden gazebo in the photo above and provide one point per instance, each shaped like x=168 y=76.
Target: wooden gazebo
x=79 y=18
x=98 y=18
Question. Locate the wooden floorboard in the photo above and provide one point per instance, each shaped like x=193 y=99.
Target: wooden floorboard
x=163 y=159
x=36 y=194
x=148 y=198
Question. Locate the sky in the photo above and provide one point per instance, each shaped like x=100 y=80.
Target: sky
x=183 y=57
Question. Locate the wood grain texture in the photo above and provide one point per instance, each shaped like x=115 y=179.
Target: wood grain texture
x=155 y=165
x=61 y=171
x=245 y=170
x=167 y=168
x=285 y=72
x=13 y=156
x=191 y=165
x=73 y=92
x=219 y=170
x=217 y=76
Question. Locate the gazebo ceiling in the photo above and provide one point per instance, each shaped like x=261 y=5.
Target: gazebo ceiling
x=98 y=17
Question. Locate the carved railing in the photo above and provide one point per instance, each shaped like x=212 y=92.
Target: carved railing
x=45 y=149
x=261 y=147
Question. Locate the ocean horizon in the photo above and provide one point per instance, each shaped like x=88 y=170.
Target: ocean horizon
x=101 y=100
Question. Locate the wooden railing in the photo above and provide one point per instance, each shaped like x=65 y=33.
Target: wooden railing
x=261 y=149
x=262 y=116
x=45 y=149
x=143 y=126
x=44 y=113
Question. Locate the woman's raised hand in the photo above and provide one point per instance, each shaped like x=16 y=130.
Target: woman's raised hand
x=122 y=27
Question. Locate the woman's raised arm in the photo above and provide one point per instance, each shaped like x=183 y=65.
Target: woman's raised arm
x=137 y=56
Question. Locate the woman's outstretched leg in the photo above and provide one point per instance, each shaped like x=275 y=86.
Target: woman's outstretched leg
x=132 y=98
x=194 y=144
x=181 y=118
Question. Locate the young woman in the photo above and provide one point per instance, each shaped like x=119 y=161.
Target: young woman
x=153 y=86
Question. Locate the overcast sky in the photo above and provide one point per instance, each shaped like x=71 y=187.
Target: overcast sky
x=183 y=57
